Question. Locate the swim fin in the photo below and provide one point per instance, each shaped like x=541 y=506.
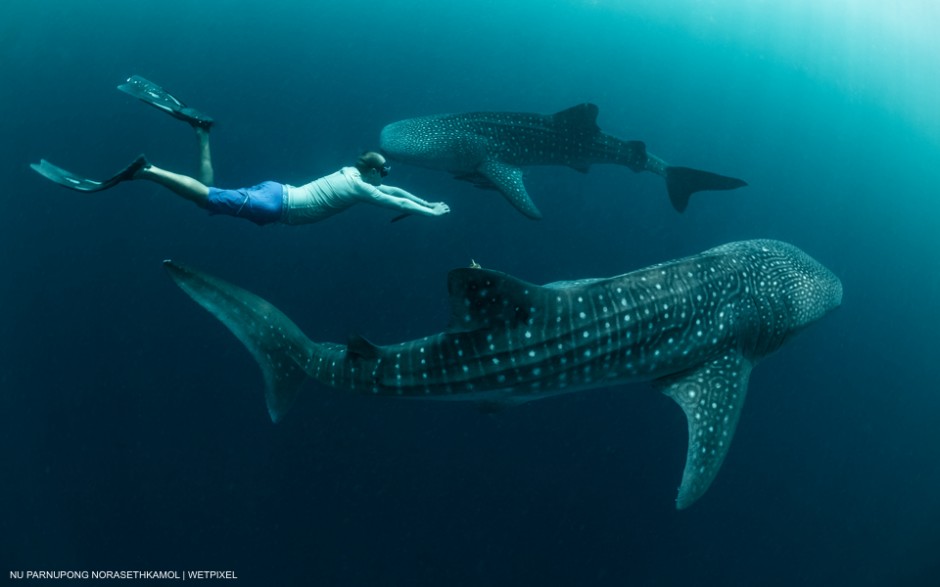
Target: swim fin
x=152 y=94
x=83 y=184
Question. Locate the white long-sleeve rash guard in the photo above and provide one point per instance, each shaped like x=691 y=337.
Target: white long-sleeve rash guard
x=332 y=194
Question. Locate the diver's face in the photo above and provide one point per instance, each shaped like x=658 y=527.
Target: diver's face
x=375 y=174
x=372 y=176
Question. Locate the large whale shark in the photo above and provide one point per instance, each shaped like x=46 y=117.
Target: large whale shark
x=694 y=327
x=489 y=149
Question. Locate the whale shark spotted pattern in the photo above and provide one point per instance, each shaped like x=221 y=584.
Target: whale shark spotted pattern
x=694 y=327
x=489 y=149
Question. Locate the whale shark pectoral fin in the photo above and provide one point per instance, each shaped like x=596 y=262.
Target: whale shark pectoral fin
x=508 y=180
x=711 y=395
x=481 y=298
x=278 y=345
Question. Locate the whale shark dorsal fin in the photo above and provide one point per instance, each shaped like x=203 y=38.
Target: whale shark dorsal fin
x=582 y=117
x=508 y=180
x=711 y=395
x=480 y=298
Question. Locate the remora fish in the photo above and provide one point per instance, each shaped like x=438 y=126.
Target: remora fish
x=694 y=326
x=488 y=149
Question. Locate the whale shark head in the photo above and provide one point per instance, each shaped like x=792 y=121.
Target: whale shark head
x=437 y=142
x=791 y=290
x=812 y=290
x=400 y=140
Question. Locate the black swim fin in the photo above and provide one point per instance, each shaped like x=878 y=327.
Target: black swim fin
x=152 y=94
x=83 y=184
x=682 y=182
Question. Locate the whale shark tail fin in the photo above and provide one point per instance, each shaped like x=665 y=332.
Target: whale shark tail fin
x=281 y=349
x=682 y=182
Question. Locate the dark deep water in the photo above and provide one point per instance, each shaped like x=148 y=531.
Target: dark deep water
x=133 y=429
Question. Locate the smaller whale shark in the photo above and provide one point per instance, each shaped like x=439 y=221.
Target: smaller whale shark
x=489 y=148
x=694 y=327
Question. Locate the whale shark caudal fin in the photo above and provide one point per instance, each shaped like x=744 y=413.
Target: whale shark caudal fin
x=281 y=349
x=682 y=182
x=711 y=395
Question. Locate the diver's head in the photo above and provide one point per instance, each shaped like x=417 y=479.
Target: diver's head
x=373 y=167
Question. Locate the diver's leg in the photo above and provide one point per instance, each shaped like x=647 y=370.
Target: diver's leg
x=182 y=185
x=206 y=174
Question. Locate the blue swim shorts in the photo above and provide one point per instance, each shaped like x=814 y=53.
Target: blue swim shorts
x=262 y=204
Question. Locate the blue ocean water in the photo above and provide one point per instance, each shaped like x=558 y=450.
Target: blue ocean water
x=133 y=429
